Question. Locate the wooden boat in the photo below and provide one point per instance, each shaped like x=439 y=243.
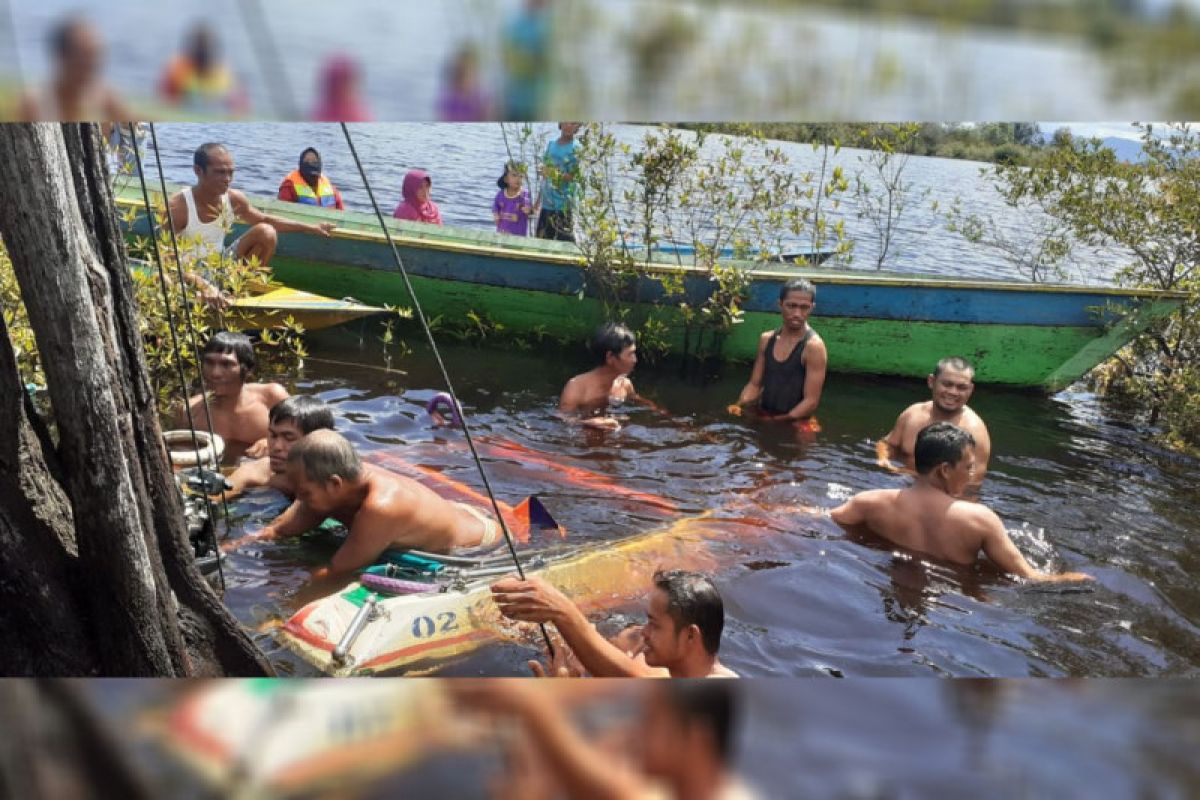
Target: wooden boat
x=1021 y=334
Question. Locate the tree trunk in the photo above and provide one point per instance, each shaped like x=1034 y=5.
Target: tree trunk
x=135 y=576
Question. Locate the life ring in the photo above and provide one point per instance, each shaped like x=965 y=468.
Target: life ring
x=444 y=399
x=212 y=448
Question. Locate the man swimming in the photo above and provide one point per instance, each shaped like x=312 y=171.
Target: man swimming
x=928 y=518
x=380 y=509
x=290 y=420
x=240 y=409
x=789 y=370
x=952 y=383
x=204 y=213
x=681 y=637
x=588 y=395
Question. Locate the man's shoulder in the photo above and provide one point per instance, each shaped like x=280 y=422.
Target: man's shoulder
x=270 y=393
x=976 y=515
x=971 y=419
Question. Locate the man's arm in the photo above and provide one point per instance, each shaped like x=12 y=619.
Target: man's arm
x=296 y=520
x=249 y=476
x=888 y=448
x=815 y=361
x=753 y=388
x=570 y=405
x=287 y=192
x=535 y=600
x=585 y=771
x=983 y=452
x=372 y=526
x=851 y=516
x=251 y=215
x=1005 y=555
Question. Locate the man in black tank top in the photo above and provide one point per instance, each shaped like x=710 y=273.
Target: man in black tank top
x=789 y=371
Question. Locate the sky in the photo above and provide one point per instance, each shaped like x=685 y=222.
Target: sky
x=1101 y=130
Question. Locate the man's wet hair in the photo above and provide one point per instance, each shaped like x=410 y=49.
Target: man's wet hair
x=955 y=363
x=712 y=703
x=204 y=151
x=797 y=285
x=324 y=454
x=693 y=599
x=309 y=413
x=239 y=345
x=940 y=443
x=611 y=337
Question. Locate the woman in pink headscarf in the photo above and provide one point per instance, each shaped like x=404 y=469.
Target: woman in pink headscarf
x=339 y=99
x=415 y=204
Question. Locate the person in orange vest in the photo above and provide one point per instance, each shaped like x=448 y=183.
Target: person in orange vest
x=198 y=80
x=307 y=185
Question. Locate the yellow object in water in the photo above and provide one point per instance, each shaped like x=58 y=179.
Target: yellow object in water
x=313 y=311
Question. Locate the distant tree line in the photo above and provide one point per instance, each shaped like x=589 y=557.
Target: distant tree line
x=994 y=142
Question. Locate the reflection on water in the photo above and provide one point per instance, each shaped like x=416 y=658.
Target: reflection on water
x=1077 y=491
x=794 y=738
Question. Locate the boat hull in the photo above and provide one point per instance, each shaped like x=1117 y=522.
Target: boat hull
x=1022 y=335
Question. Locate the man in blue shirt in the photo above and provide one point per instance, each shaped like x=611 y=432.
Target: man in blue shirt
x=560 y=166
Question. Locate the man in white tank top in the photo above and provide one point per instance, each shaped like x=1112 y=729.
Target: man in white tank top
x=204 y=213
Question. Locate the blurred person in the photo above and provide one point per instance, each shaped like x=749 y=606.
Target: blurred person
x=380 y=509
x=587 y=396
x=560 y=167
x=512 y=208
x=415 y=204
x=240 y=408
x=952 y=383
x=289 y=421
x=308 y=185
x=789 y=370
x=339 y=92
x=684 y=620
x=205 y=212
x=682 y=746
x=462 y=98
x=77 y=91
x=526 y=51
x=198 y=80
x=927 y=517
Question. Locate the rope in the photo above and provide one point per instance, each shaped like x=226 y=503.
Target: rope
x=187 y=315
x=437 y=355
x=268 y=60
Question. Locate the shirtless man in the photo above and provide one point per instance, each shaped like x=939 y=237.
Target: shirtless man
x=588 y=395
x=681 y=637
x=203 y=213
x=239 y=409
x=952 y=383
x=289 y=421
x=928 y=518
x=77 y=92
x=789 y=370
x=380 y=509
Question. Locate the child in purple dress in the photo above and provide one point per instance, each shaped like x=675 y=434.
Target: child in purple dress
x=511 y=209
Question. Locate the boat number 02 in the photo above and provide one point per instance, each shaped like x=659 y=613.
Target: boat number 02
x=424 y=627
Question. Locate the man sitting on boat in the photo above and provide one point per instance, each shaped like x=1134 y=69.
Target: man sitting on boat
x=308 y=185
x=290 y=420
x=683 y=745
x=928 y=517
x=952 y=383
x=204 y=213
x=789 y=370
x=587 y=396
x=240 y=409
x=681 y=637
x=380 y=509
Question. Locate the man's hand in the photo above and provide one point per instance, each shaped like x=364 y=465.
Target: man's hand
x=531 y=600
x=325 y=229
x=258 y=449
x=1070 y=577
x=560 y=664
x=735 y=409
x=602 y=423
x=515 y=697
x=215 y=298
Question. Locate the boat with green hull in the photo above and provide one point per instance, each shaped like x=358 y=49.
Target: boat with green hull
x=1043 y=336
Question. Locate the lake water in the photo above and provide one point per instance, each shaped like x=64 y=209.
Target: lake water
x=465 y=160
x=1078 y=490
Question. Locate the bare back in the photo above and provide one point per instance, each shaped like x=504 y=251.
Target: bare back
x=400 y=512
x=925 y=520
